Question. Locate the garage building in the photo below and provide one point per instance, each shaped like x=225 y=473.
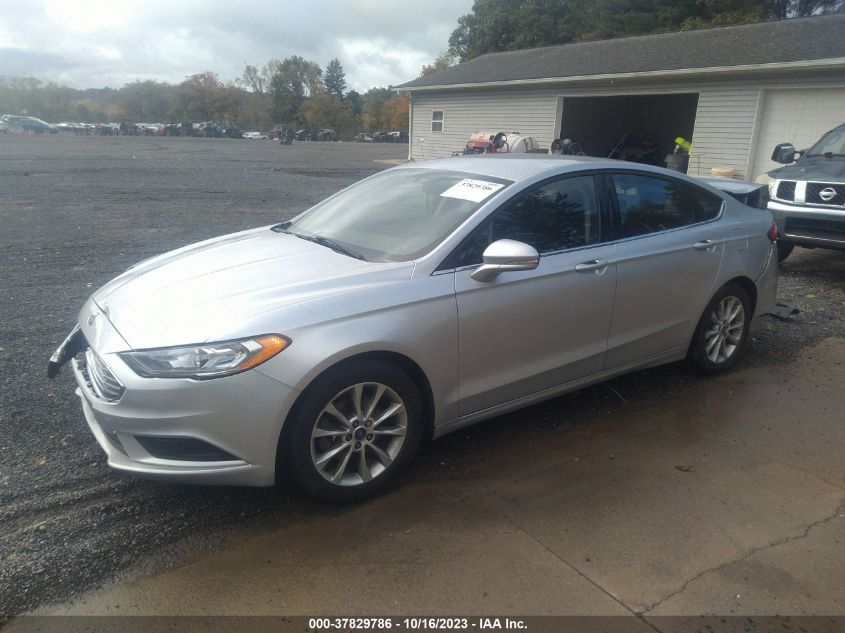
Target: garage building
x=734 y=91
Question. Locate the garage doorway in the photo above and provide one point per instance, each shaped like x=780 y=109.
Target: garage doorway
x=798 y=116
x=640 y=128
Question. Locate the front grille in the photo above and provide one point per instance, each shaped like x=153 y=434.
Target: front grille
x=831 y=230
x=786 y=190
x=98 y=377
x=815 y=189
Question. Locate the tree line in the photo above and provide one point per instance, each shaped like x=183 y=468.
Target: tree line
x=294 y=92
x=298 y=93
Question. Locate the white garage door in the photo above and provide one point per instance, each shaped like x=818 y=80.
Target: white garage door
x=795 y=116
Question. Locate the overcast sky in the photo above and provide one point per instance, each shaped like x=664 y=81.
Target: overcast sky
x=95 y=43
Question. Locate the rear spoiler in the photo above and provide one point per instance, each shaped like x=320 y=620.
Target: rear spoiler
x=750 y=193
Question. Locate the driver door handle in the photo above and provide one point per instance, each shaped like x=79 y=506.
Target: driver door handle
x=704 y=245
x=597 y=265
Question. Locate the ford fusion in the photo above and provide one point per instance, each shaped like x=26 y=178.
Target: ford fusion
x=413 y=303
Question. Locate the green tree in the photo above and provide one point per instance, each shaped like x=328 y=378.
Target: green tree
x=290 y=82
x=149 y=101
x=335 y=79
x=355 y=101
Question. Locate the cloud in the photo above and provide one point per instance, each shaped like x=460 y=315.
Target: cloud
x=93 y=43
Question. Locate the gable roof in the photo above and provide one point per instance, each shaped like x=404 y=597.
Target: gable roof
x=781 y=42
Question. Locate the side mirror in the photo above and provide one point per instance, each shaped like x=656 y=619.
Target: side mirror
x=785 y=153
x=506 y=255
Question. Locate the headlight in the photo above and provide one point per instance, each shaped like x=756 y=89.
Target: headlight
x=206 y=360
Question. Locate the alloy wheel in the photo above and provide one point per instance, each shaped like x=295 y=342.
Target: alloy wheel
x=359 y=434
x=727 y=326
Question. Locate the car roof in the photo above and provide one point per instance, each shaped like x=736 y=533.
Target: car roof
x=513 y=166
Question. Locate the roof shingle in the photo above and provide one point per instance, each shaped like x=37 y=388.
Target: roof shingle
x=782 y=41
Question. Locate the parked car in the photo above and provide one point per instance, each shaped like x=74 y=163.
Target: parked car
x=420 y=300
x=107 y=129
x=29 y=124
x=397 y=137
x=326 y=134
x=127 y=128
x=255 y=136
x=4 y=126
x=71 y=127
x=148 y=129
x=361 y=137
x=807 y=197
x=379 y=137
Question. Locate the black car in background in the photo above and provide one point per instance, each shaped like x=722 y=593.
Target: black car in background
x=807 y=197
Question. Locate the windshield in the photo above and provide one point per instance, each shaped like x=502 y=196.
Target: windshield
x=831 y=143
x=398 y=215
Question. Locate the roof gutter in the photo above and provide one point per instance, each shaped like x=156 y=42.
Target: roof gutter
x=830 y=63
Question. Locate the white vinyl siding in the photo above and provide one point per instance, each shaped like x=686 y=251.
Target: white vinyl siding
x=725 y=125
x=524 y=111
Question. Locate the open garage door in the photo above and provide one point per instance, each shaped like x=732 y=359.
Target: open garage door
x=641 y=128
x=799 y=117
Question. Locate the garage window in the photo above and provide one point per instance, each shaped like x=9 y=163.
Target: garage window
x=437 y=120
x=650 y=205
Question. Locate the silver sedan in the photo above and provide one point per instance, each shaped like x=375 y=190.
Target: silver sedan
x=413 y=303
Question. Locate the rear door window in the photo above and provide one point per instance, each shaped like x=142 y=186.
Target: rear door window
x=650 y=204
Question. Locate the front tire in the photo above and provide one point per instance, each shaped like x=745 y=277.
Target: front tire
x=354 y=430
x=722 y=331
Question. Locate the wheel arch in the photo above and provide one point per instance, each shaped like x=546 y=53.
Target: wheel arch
x=403 y=362
x=746 y=284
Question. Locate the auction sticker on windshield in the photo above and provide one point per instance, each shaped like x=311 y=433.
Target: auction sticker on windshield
x=473 y=190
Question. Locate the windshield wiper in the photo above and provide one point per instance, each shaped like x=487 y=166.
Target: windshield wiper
x=329 y=243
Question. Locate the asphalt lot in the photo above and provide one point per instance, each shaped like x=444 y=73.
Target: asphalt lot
x=575 y=505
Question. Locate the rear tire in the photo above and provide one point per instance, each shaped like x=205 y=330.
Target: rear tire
x=353 y=431
x=784 y=249
x=722 y=331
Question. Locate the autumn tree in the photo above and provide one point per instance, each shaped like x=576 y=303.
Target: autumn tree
x=443 y=61
x=253 y=79
x=146 y=100
x=373 y=101
x=395 y=111
x=203 y=97
x=324 y=110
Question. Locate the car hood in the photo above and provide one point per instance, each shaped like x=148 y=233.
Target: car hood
x=816 y=169
x=203 y=291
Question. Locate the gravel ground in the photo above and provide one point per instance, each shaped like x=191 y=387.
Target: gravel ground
x=76 y=211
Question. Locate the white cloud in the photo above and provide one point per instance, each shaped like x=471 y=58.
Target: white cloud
x=85 y=42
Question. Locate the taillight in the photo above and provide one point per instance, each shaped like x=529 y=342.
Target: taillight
x=773 y=233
